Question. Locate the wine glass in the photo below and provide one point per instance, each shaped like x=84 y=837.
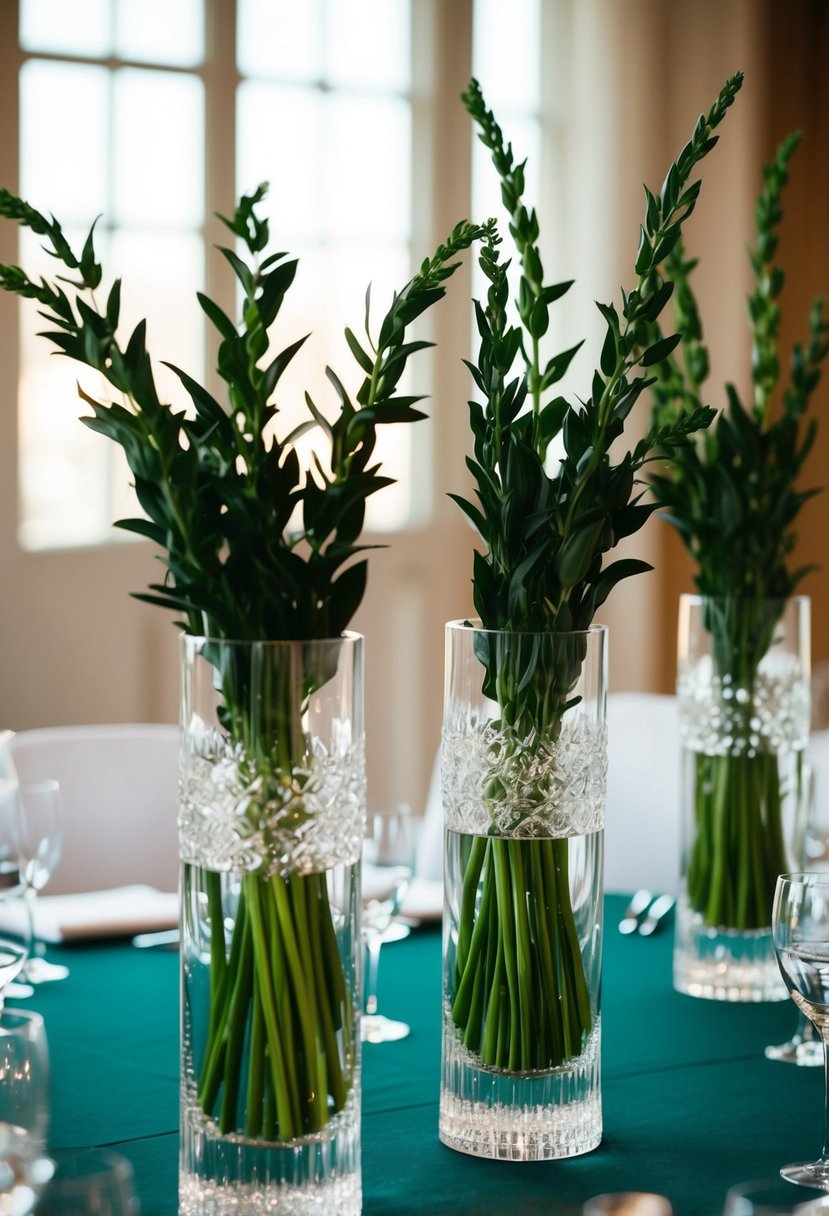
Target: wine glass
x=800 y=926
x=97 y=1181
x=40 y=838
x=16 y=931
x=24 y=1110
x=804 y=1047
x=388 y=864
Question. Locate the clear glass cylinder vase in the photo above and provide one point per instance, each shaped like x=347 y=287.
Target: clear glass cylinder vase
x=743 y=692
x=524 y=776
x=271 y=817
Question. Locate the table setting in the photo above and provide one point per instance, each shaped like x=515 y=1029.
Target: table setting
x=542 y=1045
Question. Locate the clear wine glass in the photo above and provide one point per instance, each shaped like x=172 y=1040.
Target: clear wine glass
x=97 y=1181
x=804 y=1047
x=800 y=926
x=24 y=1111
x=15 y=918
x=40 y=839
x=388 y=865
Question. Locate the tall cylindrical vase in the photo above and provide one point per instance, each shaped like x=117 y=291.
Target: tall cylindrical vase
x=743 y=691
x=271 y=815
x=524 y=767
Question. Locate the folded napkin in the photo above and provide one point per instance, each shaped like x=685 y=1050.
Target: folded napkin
x=117 y=913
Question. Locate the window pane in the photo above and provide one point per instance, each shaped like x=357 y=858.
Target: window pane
x=506 y=52
x=279 y=134
x=280 y=39
x=367 y=44
x=368 y=193
x=161 y=274
x=157 y=31
x=70 y=27
x=158 y=175
x=64 y=139
x=64 y=469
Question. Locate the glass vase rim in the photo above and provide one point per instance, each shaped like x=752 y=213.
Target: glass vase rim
x=696 y=597
x=473 y=625
x=205 y=639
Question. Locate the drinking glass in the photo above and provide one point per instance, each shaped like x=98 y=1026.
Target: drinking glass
x=800 y=927
x=388 y=864
x=98 y=1181
x=40 y=838
x=24 y=1110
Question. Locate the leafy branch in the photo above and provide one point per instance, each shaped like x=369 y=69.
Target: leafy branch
x=733 y=497
x=220 y=489
x=546 y=533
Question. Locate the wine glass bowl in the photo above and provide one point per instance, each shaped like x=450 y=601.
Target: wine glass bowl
x=388 y=865
x=800 y=926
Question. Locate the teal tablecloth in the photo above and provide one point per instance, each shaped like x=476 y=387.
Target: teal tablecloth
x=690 y=1103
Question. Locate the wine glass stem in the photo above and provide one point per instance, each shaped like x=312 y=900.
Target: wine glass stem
x=373 y=947
x=823 y=1031
x=28 y=902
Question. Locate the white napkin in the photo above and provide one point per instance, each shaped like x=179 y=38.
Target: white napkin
x=117 y=913
x=424 y=900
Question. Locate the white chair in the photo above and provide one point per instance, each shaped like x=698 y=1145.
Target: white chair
x=642 y=833
x=119 y=794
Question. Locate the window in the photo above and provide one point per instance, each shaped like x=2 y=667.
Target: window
x=93 y=84
x=135 y=110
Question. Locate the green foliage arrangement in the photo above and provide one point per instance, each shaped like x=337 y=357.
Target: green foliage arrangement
x=547 y=526
x=256 y=548
x=221 y=488
x=734 y=497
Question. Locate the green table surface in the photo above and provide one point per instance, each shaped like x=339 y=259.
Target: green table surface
x=690 y=1103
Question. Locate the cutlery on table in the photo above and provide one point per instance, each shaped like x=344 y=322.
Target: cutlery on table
x=637 y=906
x=657 y=912
x=166 y=939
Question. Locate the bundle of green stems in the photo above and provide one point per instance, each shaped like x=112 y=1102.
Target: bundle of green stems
x=279 y=1047
x=521 y=998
